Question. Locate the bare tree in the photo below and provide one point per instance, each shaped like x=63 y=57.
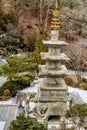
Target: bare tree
x=45 y=9
x=77 y=54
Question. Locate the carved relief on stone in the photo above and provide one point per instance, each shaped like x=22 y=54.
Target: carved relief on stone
x=42 y=109
x=57 y=108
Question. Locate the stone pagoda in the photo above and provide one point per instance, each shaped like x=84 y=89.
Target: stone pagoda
x=53 y=92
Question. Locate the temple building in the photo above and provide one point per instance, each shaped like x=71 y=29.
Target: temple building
x=53 y=92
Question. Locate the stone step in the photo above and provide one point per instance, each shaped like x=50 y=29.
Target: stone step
x=61 y=57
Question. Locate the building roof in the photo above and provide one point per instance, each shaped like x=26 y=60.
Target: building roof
x=2 y=125
x=7 y=114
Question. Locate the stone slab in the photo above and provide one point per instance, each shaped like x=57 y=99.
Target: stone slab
x=61 y=57
x=54 y=44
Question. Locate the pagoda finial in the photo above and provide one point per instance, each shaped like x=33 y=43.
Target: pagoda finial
x=55 y=24
x=56 y=4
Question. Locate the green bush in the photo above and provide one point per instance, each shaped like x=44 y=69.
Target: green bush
x=68 y=80
x=10 y=17
x=0 y=72
x=31 y=42
x=78 y=110
x=17 y=64
x=84 y=80
x=19 y=83
x=12 y=86
x=26 y=123
x=24 y=80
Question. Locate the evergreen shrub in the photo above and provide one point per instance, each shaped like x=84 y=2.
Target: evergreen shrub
x=77 y=110
x=24 y=80
x=10 y=85
x=84 y=80
x=30 y=42
x=26 y=123
x=19 y=83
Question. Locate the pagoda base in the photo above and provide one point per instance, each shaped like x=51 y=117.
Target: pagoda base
x=49 y=109
x=52 y=92
x=52 y=101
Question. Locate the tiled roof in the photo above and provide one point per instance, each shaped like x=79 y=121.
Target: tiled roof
x=8 y=113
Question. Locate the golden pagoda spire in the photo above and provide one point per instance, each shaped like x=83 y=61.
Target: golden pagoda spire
x=55 y=24
x=56 y=4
